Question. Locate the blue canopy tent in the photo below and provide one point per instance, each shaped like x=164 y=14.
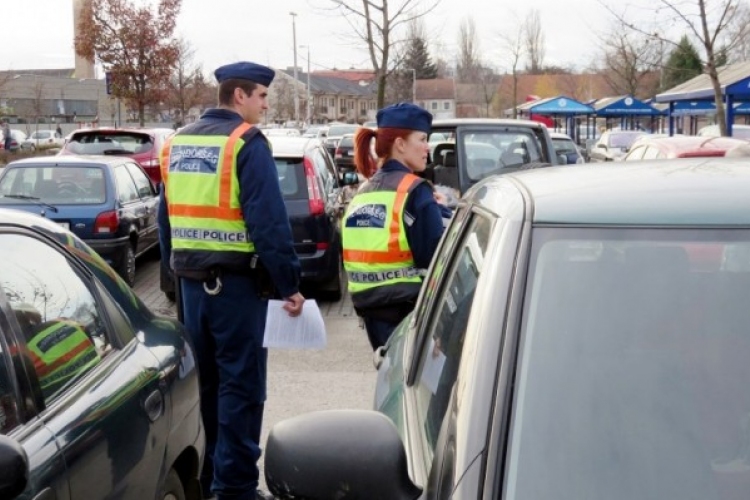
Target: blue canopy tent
x=628 y=109
x=734 y=81
x=560 y=106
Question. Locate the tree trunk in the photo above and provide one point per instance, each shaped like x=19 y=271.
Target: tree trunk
x=515 y=94
x=381 y=90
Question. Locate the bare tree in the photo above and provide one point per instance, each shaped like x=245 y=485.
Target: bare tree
x=628 y=58
x=513 y=47
x=378 y=23
x=739 y=31
x=534 y=39
x=469 y=65
x=708 y=21
x=186 y=85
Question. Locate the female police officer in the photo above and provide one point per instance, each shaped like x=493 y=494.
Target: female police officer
x=393 y=224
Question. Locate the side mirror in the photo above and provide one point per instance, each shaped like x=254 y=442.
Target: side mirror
x=349 y=179
x=601 y=146
x=338 y=454
x=14 y=468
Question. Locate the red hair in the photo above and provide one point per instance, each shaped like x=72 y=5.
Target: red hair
x=384 y=139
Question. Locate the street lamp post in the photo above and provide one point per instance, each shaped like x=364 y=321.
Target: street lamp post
x=296 y=92
x=414 y=86
x=308 y=115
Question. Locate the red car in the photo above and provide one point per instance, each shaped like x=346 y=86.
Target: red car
x=658 y=148
x=142 y=145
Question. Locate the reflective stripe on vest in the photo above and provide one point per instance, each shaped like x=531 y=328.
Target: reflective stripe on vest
x=60 y=352
x=202 y=192
x=376 y=251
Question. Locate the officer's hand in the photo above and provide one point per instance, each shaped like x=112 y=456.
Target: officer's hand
x=293 y=304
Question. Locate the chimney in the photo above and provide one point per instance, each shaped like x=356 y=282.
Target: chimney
x=84 y=68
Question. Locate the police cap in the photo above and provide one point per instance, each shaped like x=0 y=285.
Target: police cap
x=405 y=115
x=245 y=71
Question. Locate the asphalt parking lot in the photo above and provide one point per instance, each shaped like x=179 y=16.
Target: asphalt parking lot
x=340 y=376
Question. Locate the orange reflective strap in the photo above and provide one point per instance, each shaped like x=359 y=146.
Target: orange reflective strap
x=164 y=160
x=398 y=205
x=204 y=212
x=374 y=257
x=225 y=183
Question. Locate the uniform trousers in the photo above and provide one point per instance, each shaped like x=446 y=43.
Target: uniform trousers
x=227 y=331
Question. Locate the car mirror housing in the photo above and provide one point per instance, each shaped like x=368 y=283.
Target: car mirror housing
x=315 y=455
x=14 y=465
x=350 y=179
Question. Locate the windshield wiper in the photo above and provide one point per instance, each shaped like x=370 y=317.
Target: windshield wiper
x=32 y=199
x=115 y=152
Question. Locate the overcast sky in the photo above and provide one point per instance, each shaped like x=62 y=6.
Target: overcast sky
x=39 y=33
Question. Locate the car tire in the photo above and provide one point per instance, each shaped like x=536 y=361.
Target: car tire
x=171 y=296
x=332 y=288
x=173 y=488
x=126 y=268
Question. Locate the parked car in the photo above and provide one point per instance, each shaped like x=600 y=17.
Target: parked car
x=344 y=154
x=659 y=148
x=109 y=202
x=316 y=132
x=477 y=148
x=142 y=145
x=44 y=139
x=311 y=186
x=290 y=132
x=571 y=340
x=738 y=131
x=17 y=141
x=335 y=132
x=613 y=144
x=565 y=146
x=116 y=414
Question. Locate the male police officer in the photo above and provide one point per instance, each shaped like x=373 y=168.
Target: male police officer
x=223 y=218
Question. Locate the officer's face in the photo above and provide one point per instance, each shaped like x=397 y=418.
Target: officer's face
x=413 y=151
x=252 y=106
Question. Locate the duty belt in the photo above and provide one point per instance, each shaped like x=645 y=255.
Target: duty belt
x=382 y=276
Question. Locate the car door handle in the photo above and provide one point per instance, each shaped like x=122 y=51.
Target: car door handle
x=154 y=405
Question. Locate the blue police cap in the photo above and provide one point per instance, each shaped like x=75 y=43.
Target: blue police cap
x=245 y=71
x=405 y=115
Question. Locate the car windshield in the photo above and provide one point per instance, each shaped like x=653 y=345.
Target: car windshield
x=624 y=140
x=633 y=372
x=490 y=151
x=97 y=142
x=338 y=130
x=58 y=185
x=563 y=146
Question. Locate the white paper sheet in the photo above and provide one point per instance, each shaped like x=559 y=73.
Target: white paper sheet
x=306 y=331
x=433 y=367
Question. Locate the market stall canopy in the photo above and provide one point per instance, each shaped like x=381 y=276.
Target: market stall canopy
x=734 y=80
x=626 y=105
x=556 y=106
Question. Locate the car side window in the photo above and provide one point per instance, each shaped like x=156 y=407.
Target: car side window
x=651 y=153
x=636 y=154
x=142 y=183
x=61 y=323
x=126 y=189
x=441 y=355
x=9 y=414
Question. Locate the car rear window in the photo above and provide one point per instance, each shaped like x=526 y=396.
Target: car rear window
x=97 y=142
x=339 y=130
x=291 y=178
x=81 y=185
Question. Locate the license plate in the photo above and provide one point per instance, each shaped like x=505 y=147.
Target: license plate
x=66 y=225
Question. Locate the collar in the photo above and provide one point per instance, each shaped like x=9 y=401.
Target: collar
x=221 y=113
x=394 y=166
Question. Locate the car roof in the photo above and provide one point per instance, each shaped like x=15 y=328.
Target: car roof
x=456 y=122
x=691 y=145
x=683 y=192
x=71 y=160
x=284 y=145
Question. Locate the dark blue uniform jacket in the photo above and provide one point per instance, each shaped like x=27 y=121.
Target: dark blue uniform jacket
x=262 y=206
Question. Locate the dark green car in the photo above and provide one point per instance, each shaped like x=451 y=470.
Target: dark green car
x=583 y=332
x=98 y=397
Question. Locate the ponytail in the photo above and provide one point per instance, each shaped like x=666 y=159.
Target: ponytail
x=362 y=157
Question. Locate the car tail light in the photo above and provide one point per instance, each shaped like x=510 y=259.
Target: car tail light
x=106 y=223
x=317 y=205
x=151 y=162
x=321 y=245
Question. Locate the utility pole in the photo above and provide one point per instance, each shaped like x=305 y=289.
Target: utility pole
x=296 y=90
x=308 y=115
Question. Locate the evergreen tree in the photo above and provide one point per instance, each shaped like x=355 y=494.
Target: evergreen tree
x=418 y=57
x=683 y=64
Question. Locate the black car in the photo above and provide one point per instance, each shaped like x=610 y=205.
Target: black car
x=344 y=154
x=582 y=332
x=109 y=202
x=99 y=398
x=311 y=186
x=335 y=132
